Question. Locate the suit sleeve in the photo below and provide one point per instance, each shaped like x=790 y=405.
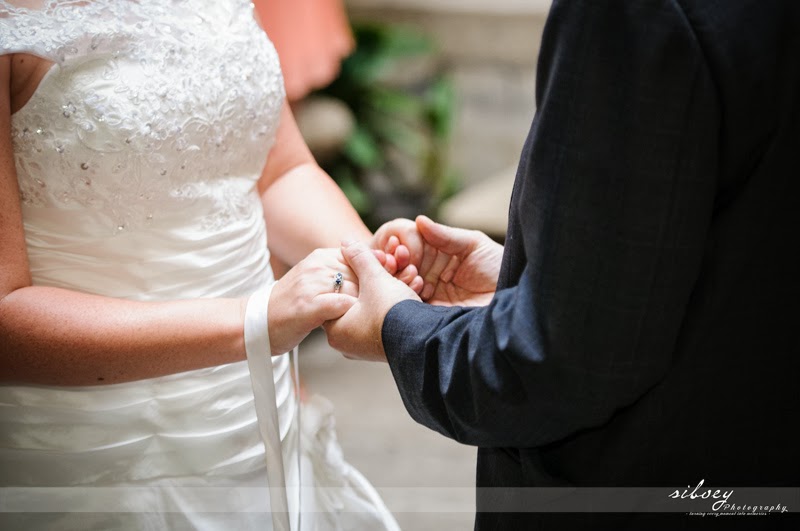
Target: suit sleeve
x=614 y=196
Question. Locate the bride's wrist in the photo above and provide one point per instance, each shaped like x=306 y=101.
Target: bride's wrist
x=256 y=321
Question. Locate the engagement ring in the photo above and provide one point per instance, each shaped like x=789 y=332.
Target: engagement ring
x=338 y=281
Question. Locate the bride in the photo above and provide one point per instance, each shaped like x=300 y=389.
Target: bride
x=138 y=310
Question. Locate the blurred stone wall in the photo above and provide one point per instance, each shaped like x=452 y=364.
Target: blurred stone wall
x=490 y=48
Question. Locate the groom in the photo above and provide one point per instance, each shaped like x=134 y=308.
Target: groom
x=643 y=332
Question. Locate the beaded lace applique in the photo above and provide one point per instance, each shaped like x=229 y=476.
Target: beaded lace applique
x=151 y=105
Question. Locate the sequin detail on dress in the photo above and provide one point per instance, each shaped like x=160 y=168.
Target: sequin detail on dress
x=138 y=118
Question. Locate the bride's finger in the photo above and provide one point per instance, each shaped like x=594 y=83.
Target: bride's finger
x=408 y=274
x=337 y=264
x=391 y=264
x=348 y=287
x=403 y=257
x=392 y=244
x=332 y=305
x=347 y=276
x=380 y=255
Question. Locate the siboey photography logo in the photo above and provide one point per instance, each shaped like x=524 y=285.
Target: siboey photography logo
x=704 y=501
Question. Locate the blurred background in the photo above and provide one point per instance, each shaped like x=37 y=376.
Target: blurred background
x=412 y=106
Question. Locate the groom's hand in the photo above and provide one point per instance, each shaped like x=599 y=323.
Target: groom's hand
x=460 y=267
x=357 y=334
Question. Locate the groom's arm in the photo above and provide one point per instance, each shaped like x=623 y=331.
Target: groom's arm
x=616 y=192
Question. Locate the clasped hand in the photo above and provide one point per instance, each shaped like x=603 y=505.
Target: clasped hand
x=409 y=260
x=305 y=297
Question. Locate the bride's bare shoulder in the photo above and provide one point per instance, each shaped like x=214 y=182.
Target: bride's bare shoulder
x=27 y=4
x=26 y=72
x=23 y=71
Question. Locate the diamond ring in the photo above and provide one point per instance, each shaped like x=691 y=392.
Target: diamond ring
x=338 y=282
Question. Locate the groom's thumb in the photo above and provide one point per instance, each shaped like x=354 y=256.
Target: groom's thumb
x=362 y=260
x=450 y=240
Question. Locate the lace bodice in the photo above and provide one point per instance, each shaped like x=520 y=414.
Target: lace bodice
x=152 y=107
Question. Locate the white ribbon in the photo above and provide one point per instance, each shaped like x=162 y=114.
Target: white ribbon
x=259 y=360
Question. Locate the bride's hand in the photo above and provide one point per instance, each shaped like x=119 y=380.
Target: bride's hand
x=304 y=298
x=459 y=267
x=400 y=242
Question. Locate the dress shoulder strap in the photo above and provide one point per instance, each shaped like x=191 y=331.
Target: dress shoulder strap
x=59 y=30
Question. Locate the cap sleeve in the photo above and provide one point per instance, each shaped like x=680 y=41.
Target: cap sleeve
x=57 y=30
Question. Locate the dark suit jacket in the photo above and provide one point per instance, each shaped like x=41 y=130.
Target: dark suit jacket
x=645 y=326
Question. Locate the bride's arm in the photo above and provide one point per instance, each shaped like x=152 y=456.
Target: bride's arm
x=58 y=337
x=305 y=210
x=303 y=207
x=54 y=336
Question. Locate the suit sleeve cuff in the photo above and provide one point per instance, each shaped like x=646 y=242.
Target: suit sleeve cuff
x=407 y=330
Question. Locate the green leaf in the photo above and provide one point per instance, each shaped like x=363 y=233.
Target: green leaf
x=411 y=137
x=450 y=185
x=363 y=67
x=362 y=149
x=441 y=99
x=378 y=46
x=396 y=104
x=404 y=42
x=390 y=40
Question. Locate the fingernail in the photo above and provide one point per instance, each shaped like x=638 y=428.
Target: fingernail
x=427 y=291
x=348 y=243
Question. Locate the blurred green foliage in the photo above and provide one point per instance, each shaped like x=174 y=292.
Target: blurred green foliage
x=403 y=124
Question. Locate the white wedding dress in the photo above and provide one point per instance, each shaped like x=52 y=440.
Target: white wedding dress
x=137 y=159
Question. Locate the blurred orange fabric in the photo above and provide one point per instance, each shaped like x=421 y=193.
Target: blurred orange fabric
x=311 y=36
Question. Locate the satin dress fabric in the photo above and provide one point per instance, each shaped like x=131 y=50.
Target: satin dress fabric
x=137 y=159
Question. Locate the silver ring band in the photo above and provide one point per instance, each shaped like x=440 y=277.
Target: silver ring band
x=338 y=282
